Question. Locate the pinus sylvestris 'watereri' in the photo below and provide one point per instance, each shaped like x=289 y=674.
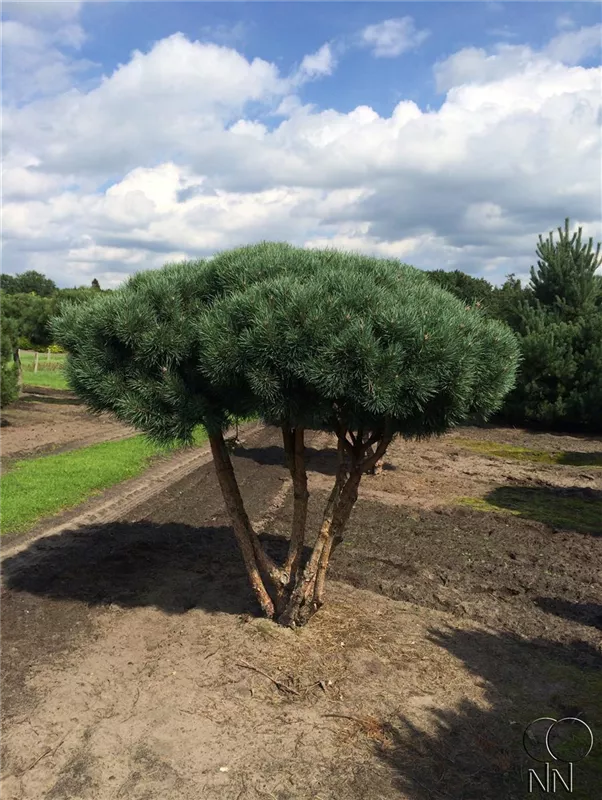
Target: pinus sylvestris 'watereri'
x=308 y=340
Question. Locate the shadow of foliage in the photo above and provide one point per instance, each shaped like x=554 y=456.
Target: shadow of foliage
x=173 y=567
x=324 y=461
x=575 y=458
x=475 y=750
x=583 y=613
x=55 y=401
x=572 y=508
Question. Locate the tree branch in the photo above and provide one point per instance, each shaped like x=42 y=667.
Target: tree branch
x=368 y=462
x=374 y=437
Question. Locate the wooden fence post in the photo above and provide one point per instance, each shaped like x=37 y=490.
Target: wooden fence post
x=35 y=366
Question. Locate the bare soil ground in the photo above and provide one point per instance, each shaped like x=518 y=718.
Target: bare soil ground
x=51 y=420
x=134 y=664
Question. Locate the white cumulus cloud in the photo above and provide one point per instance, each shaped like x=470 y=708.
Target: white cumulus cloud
x=169 y=157
x=316 y=64
x=571 y=47
x=392 y=37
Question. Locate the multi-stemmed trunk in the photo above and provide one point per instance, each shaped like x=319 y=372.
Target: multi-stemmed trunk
x=293 y=592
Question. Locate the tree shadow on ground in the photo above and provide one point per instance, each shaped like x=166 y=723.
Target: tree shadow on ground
x=573 y=508
x=172 y=567
x=583 y=613
x=560 y=431
x=575 y=458
x=475 y=750
x=324 y=461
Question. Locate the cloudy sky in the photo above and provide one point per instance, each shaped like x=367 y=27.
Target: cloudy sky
x=448 y=135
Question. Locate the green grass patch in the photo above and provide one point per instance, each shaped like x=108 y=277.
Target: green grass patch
x=40 y=487
x=49 y=375
x=54 y=379
x=499 y=450
x=577 y=510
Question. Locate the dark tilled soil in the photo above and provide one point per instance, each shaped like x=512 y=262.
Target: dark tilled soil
x=498 y=570
x=157 y=561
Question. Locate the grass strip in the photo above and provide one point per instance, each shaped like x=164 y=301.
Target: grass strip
x=35 y=488
x=49 y=379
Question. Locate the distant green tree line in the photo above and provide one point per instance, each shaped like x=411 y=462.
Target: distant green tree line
x=30 y=300
x=27 y=304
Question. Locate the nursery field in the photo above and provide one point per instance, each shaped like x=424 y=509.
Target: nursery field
x=56 y=455
x=49 y=373
x=465 y=602
x=54 y=420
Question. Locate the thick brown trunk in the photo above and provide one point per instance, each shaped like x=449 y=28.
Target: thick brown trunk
x=294 y=446
x=340 y=519
x=295 y=595
x=305 y=579
x=240 y=521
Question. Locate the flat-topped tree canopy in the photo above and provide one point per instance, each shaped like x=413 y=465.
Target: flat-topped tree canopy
x=311 y=337
x=134 y=353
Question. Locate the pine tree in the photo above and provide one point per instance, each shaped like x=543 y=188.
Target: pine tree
x=560 y=332
x=564 y=282
x=96 y=284
x=365 y=349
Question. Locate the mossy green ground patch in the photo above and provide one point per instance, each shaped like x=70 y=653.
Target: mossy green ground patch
x=499 y=450
x=39 y=487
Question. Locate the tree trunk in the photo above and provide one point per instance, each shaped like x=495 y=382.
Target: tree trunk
x=307 y=595
x=332 y=532
x=378 y=467
x=239 y=519
x=300 y=606
x=294 y=447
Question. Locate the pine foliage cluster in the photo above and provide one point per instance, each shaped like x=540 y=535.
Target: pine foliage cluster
x=311 y=338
